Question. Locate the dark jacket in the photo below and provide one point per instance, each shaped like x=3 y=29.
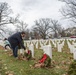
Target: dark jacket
x=16 y=40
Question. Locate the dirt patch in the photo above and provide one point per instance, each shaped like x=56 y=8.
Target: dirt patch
x=2 y=48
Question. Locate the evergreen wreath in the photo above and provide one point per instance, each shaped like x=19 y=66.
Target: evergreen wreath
x=28 y=55
x=46 y=60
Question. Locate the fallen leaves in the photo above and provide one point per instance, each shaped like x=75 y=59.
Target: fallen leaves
x=57 y=67
x=5 y=67
x=9 y=73
x=2 y=48
x=60 y=62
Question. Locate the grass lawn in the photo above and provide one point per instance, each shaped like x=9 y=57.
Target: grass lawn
x=60 y=61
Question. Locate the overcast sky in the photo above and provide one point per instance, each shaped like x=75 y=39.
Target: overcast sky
x=31 y=10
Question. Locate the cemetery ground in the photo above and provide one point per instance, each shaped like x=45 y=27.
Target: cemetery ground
x=60 y=63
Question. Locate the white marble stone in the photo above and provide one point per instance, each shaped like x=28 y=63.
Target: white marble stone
x=31 y=47
x=21 y=51
x=36 y=45
x=41 y=45
x=74 y=54
x=59 y=47
x=48 y=50
x=70 y=47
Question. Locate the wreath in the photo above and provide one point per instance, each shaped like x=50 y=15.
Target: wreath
x=28 y=54
x=46 y=60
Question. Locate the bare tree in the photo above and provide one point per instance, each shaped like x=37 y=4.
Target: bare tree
x=14 y=20
x=42 y=26
x=36 y=34
x=5 y=11
x=69 y=11
x=5 y=18
x=63 y=33
x=45 y=26
x=56 y=27
x=21 y=26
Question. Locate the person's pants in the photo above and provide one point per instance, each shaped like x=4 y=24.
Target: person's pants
x=15 y=51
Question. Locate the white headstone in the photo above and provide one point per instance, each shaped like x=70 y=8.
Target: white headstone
x=28 y=44
x=31 y=47
x=37 y=45
x=41 y=45
x=70 y=47
x=24 y=43
x=21 y=51
x=49 y=42
x=74 y=54
x=48 y=50
x=59 y=48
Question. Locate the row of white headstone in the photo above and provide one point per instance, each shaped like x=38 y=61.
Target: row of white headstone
x=48 y=48
x=72 y=48
x=57 y=43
